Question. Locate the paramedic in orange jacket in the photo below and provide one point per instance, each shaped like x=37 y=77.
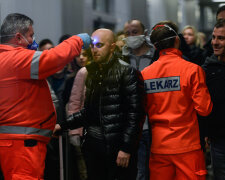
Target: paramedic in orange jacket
x=176 y=92
x=27 y=115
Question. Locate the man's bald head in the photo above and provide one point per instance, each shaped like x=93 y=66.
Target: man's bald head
x=103 y=45
x=105 y=34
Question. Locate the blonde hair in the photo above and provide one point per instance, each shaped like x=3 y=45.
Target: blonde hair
x=201 y=39
x=195 y=32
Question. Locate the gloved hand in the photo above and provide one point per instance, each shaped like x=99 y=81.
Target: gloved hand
x=86 y=40
x=64 y=125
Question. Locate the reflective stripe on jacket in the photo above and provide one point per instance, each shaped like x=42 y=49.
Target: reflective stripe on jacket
x=176 y=92
x=26 y=109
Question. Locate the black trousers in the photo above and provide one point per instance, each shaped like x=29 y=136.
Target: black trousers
x=101 y=165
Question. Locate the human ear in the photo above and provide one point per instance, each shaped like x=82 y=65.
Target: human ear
x=177 y=42
x=18 y=38
x=113 y=46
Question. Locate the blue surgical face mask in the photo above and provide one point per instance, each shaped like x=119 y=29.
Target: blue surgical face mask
x=33 y=45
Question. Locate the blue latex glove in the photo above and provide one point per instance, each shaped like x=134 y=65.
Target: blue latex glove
x=86 y=40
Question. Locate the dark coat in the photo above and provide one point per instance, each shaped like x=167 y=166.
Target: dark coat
x=114 y=102
x=215 y=80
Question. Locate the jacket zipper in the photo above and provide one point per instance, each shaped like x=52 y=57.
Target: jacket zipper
x=100 y=105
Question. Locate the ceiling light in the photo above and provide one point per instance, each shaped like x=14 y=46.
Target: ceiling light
x=218 y=0
x=222 y=4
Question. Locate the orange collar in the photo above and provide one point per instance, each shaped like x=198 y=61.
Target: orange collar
x=170 y=51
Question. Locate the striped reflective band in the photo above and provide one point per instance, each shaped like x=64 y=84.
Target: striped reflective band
x=34 y=69
x=25 y=130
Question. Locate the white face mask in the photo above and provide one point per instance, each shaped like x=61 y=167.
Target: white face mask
x=134 y=42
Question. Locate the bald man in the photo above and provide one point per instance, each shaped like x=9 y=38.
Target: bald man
x=112 y=113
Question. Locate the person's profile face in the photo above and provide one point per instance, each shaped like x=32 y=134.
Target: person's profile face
x=27 y=38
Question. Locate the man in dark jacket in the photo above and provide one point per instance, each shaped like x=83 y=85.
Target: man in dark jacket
x=112 y=113
x=220 y=14
x=138 y=51
x=214 y=67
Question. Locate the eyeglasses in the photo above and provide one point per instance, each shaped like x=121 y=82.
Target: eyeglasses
x=97 y=45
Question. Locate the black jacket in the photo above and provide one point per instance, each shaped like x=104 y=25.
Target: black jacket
x=208 y=49
x=114 y=103
x=196 y=55
x=215 y=80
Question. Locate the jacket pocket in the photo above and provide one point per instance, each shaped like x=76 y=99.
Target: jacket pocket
x=6 y=143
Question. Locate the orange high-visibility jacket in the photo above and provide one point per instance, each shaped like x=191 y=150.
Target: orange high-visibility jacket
x=176 y=92
x=26 y=108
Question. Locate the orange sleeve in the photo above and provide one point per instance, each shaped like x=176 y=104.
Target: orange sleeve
x=56 y=58
x=200 y=94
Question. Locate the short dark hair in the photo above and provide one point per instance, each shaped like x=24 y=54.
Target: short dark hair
x=160 y=32
x=220 y=23
x=222 y=8
x=14 y=23
x=44 y=42
x=64 y=37
x=142 y=25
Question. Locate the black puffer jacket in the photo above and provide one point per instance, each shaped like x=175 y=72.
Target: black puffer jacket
x=114 y=102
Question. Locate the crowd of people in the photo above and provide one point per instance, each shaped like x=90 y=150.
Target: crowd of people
x=139 y=104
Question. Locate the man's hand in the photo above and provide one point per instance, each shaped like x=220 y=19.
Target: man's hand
x=123 y=159
x=56 y=131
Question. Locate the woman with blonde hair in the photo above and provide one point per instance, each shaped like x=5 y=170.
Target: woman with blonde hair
x=201 y=40
x=191 y=37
